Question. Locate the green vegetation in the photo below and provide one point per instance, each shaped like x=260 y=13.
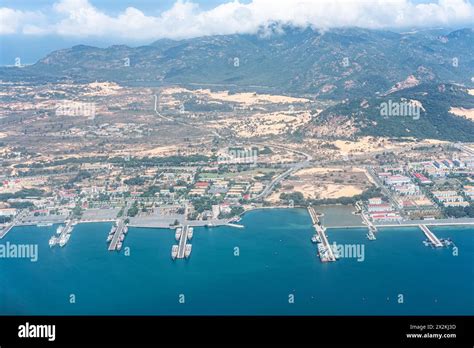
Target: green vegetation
x=80 y=176
x=134 y=181
x=151 y=191
x=436 y=122
x=133 y=211
x=21 y=205
x=77 y=211
x=5 y=219
x=204 y=203
x=22 y=194
x=296 y=197
x=460 y=212
x=265 y=151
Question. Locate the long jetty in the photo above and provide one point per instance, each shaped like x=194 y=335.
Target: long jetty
x=183 y=246
x=370 y=225
x=326 y=253
x=6 y=229
x=183 y=249
x=120 y=231
x=431 y=236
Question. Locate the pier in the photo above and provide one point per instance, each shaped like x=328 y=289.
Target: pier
x=64 y=233
x=314 y=216
x=371 y=226
x=431 y=237
x=16 y=221
x=325 y=251
x=118 y=235
x=6 y=229
x=183 y=249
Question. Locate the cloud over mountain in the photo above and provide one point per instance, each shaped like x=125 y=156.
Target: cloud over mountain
x=185 y=19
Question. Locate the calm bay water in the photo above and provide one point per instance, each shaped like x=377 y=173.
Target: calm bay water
x=276 y=259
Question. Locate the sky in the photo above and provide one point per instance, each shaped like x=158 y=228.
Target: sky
x=32 y=28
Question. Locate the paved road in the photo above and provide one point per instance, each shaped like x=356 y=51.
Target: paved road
x=294 y=167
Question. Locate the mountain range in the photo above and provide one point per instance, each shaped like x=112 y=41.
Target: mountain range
x=357 y=68
x=330 y=64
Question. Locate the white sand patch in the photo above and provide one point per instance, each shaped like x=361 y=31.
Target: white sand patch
x=246 y=99
x=467 y=113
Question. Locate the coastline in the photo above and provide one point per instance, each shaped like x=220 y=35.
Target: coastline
x=229 y=222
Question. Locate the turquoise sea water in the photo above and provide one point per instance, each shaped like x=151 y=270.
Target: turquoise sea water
x=276 y=259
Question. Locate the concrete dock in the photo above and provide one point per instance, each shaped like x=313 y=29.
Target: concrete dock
x=183 y=246
x=5 y=230
x=370 y=225
x=64 y=234
x=16 y=221
x=431 y=237
x=120 y=230
x=325 y=251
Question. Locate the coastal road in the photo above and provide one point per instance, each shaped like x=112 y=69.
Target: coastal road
x=213 y=132
x=294 y=167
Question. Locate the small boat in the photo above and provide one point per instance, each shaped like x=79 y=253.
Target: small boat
x=177 y=235
x=119 y=246
x=190 y=233
x=109 y=238
x=125 y=230
x=60 y=229
x=316 y=238
x=122 y=237
x=371 y=236
x=63 y=240
x=52 y=241
x=187 y=251
x=174 y=252
x=44 y=224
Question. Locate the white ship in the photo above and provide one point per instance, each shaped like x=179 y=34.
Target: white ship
x=63 y=240
x=119 y=245
x=60 y=229
x=112 y=230
x=52 y=241
x=174 y=252
x=316 y=239
x=190 y=233
x=44 y=224
x=187 y=251
x=109 y=238
x=336 y=253
x=177 y=235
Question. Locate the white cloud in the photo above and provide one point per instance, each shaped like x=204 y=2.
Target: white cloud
x=14 y=21
x=185 y=19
